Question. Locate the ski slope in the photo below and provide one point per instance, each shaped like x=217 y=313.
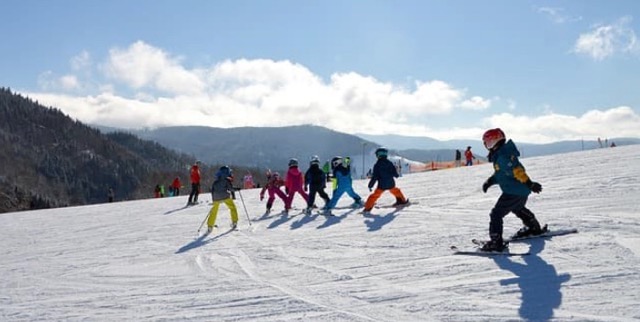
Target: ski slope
x=141 y=260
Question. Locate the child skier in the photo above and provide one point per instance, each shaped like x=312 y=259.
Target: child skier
x=315 y=181
x=344 y=183
x=273 y=188
x=384 y=173
x=221 y=191
x=294 y=182
x=516 y=186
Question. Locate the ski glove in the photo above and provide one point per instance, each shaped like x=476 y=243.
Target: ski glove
x=485 y=186
x=534 y=186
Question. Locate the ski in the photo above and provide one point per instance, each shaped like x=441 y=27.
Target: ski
x=409 y=203
x=217 y=232
x=478 y=252
x=548 y=233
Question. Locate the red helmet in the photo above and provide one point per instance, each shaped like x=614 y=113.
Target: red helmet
x=492 y=137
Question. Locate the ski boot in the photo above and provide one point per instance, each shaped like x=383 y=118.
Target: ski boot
x=307 y=211
x=234 y=225
x=357 y=204
x=495 y=245
x=527 y=231
x=400 y=202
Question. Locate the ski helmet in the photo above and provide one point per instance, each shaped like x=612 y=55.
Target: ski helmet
x=382 y=152
x=293 y=162
x=315 y=160
x=224 y=171
x=336 y=161
x=492 y=137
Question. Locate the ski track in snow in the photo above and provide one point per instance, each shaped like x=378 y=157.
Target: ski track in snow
x=139 y=260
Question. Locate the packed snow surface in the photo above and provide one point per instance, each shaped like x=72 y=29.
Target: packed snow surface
x=143 y=260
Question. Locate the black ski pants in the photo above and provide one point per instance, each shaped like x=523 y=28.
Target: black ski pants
x=509 y=203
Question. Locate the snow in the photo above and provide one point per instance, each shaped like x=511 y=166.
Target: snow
x=141 y=260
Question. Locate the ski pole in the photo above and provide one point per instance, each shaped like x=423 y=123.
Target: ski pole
x=244 y=206
x=202 y=224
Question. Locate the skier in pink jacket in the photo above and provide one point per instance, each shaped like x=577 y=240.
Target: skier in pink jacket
x=273 y=188
x=294 y=182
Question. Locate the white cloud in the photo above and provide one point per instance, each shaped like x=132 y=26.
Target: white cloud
x=159 y=91
x=144 y=66
x=81 y=61
x=606 y=40
x=557 y=15
x=620 y=121
x=476 y=103
x=69 y=82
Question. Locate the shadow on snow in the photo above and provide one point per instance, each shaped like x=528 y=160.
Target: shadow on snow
x=538 y=281
x=200 y=241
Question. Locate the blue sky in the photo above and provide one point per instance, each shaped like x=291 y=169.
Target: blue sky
x=541 y=70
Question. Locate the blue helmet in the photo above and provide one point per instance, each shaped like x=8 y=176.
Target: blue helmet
x=224 y=172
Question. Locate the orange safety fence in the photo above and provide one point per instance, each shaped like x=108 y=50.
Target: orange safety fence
x=436 y=165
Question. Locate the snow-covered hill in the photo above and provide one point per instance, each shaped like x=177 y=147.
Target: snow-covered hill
x=140 y=260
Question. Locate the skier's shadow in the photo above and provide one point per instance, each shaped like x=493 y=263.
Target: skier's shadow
x=304 y=219
x=200 y=241
x=539 y=283
x=176 y=210
x=281 y=220
x=375 y=223
x=333 y=220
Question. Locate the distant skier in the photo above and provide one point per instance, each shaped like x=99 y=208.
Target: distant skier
x=157 y=191
x=384 y=173
x=315 y=181
x=468 y=155
x=221 y=192
x=176 y=186
x=458 y=158
x=272 y=187
x=248 y=181
x=110 y=194
x=344 y=183
x=294 y=182
x=194 y=175
x=516 y=186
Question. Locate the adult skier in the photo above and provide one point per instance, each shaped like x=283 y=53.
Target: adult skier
x=221 y=191
x=516 y=186
x=194 y=175
x=468 y=155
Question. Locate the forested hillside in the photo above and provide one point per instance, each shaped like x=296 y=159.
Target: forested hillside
x=50 y=160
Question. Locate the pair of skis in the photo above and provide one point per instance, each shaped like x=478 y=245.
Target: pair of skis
x=478 y=252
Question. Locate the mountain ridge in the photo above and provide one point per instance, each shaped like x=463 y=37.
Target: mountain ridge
x=272 y=147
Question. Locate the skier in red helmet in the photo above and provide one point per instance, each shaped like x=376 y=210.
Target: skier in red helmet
x=516 y=186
